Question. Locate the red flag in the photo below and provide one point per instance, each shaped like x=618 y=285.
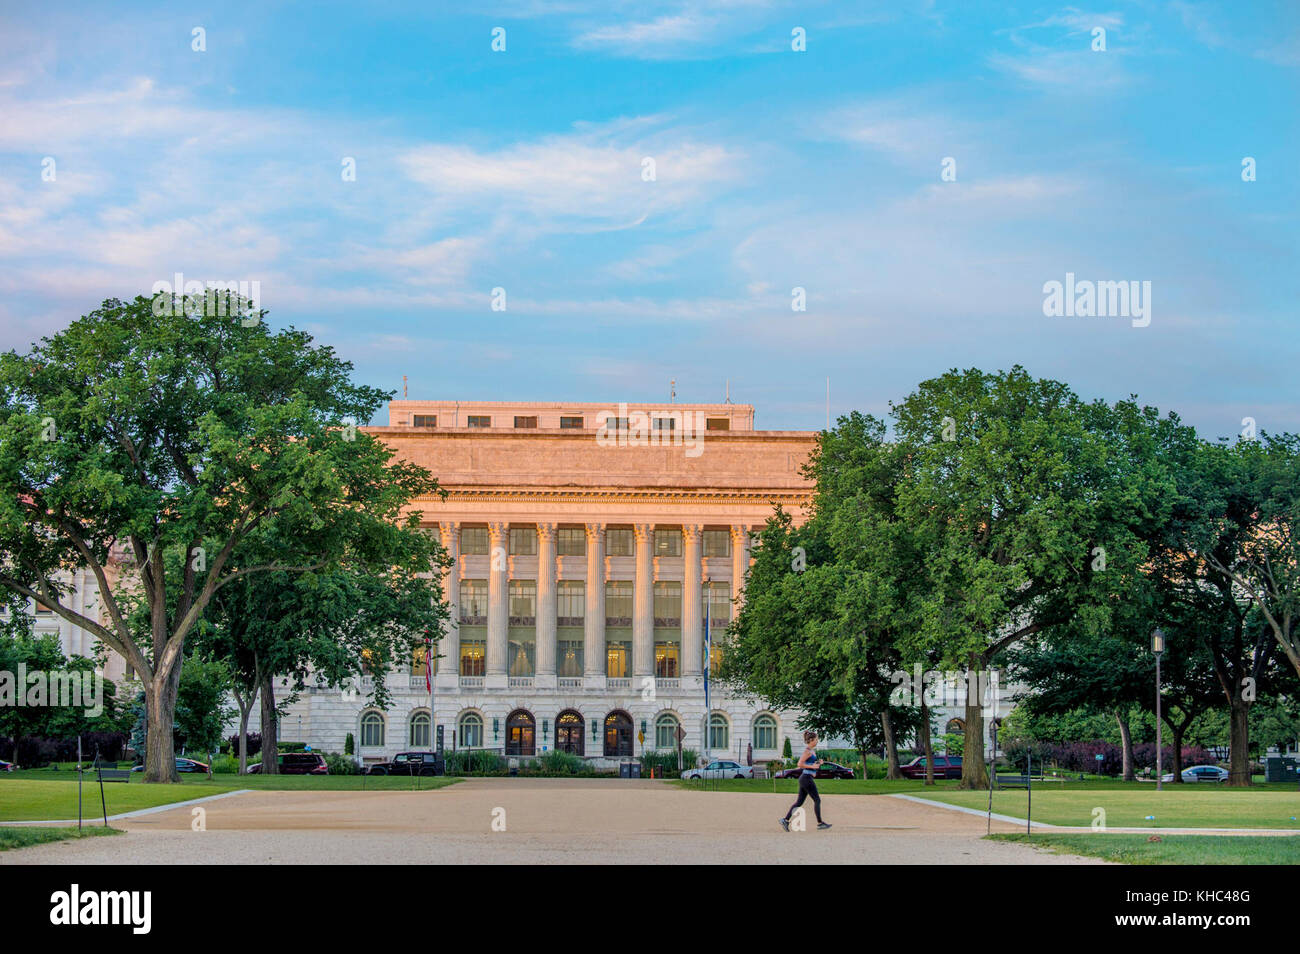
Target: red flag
x=428 y=665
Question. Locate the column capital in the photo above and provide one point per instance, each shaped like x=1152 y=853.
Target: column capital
x=692 y=531
x=545 y=531
x=739 y=531
x=594 y=530
x=644 y=531
x=498 y=529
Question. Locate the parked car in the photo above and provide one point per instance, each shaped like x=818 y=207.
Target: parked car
x=1200 y=773
x=409 y=763
x=824 y=770
x=182 y=765
x=6 y=766
x=720 y=769
x=945 y=766
x=296 y=763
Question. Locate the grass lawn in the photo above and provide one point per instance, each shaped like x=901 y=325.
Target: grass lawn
x=1187 y=806
x=1134 y=849
x=37 y=795
x=25 y=837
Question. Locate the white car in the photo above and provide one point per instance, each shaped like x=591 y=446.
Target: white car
x=720 y=769
x=1200 y=773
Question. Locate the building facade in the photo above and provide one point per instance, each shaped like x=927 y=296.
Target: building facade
x=593 y=548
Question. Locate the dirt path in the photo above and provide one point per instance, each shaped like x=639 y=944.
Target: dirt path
x=545 y=821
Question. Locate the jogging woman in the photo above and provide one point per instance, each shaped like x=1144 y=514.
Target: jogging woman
x=808 y=763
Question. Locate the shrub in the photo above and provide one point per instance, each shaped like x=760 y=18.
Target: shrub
x=786 y=751
x=665 y=763
x=475 y=762
x=558 y=762
x=342 y=764
x=254 y=744
x=225 y=765
x=349 y=745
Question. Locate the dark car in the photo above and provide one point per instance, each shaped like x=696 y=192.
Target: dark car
x=824 y=770
x=296 y=763
x=945 y=766
x=409 y=763
x=182 y=765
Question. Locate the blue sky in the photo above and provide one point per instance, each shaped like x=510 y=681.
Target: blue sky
x=774 y=169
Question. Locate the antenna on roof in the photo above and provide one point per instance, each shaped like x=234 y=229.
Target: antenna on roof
x=672 y=391
x=728 y=390
x=403 y=387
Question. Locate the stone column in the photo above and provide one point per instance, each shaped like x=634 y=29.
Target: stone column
x=692 y=627
x=546 y=595
x=449 y=648
x=593 y=636
x=498 y=605
x=739 y=564
x=643 y=603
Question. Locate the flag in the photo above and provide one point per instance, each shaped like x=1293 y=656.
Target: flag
x=708 y=664
x=428 y=664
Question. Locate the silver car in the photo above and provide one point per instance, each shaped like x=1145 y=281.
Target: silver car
x=720 y=769
x=1200 y=773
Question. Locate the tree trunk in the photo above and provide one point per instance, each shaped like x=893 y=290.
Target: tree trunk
x=891 y=747
x=1239 y=742
x=270 y=741
x=928 y=745
x=974 y=774
x=160 y=718
x=245 y=712
x=1126 y=739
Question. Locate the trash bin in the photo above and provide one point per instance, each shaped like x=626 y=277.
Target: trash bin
x=1281 y=768
x=634 y=769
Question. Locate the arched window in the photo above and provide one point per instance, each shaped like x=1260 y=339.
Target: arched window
x=521 y=733
x=419 y=730
x=666 y=727
x=719 y=732
x=765 y=732
x=568 y=732
x=618 y=734
x=471 y=731
x=372 y=729
x=955 y=727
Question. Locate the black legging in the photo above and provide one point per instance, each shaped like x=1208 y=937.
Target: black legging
x=807 y=788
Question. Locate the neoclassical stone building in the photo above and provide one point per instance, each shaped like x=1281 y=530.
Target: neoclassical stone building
x=590 y=545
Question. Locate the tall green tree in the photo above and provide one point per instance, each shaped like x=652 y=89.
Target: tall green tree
x=154 y=434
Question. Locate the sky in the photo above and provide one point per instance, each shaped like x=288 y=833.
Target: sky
x=647 y=184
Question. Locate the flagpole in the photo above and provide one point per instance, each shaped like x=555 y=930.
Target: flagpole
x=708 y=664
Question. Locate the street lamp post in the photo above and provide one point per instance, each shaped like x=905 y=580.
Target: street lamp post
x=1158 y=647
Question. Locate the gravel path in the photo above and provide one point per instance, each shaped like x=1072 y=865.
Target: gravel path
x=548 y=821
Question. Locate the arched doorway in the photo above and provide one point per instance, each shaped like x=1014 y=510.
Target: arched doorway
x=618 y=734
x=568 y=732
x=521 y=733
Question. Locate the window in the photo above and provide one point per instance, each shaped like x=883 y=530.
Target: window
x=424 y=420
x=668 y=605
x=479 y=420
x=523 y=541
x=618 y=603
x=42 y=609
x=620 y=542
x=570 y=603
x=618 y=734
x=521 y=733
x=419 y=661
x=474 y=541
x=420 y=730
x=717 y=543
x=571 y=541
x=664 y=424
x=473 y=602
x=667 y=656
x=719 y=732
x=473 y=656
x=525 y=421
x=372 y=730
x=470 y=731
x=571 y=422
x=717 y=424
x=523 y=603
x=568 y=658
x=616 y=424
x=618 y=656
x=666 y=727
x=765 y=732
x=568 y=732
x=668 y=542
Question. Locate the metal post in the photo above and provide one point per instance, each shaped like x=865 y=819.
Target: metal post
x=80 y=773
x=1029 y=789
x=1160 y=772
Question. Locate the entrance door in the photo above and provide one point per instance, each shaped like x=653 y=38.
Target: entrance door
x=618 y=734
x=568 y=732
x=521 y=733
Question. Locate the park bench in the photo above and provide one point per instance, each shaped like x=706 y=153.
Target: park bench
x=1012 y=781
x=109 y=772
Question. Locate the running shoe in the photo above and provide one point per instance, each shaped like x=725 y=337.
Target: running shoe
x=785 y=823
x=822 y=826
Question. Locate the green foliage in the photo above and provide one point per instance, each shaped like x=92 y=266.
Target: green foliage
x=349 y=745
x=225 y=764
x=664 y=762
x=475 y=762
x=786 y=751
x=201 y=710
x=342 y=764
x=560 y=762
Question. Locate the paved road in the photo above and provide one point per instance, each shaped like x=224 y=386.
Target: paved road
x=548 y=821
